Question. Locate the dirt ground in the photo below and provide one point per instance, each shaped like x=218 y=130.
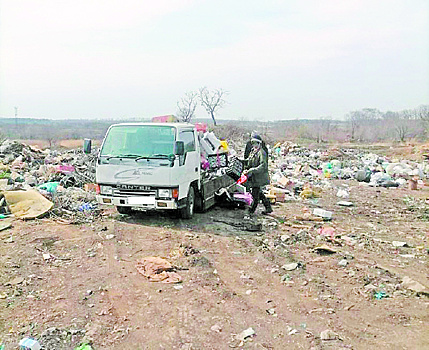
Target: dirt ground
x=87 y=287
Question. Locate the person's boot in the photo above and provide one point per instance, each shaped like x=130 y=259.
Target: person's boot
x=248 y=215
x=267 y=211
x=267 y=204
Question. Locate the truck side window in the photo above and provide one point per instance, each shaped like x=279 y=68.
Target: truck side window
x=189 y=139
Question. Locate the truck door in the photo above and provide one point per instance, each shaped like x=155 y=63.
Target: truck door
x=189 y=164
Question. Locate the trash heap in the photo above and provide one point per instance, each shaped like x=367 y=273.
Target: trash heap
x=298 y=172
x=302 y=173
x=30 y=175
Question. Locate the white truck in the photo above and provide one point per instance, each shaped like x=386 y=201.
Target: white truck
x=155 y=166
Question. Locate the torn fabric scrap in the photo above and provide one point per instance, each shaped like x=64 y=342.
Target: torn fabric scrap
x=157 y=269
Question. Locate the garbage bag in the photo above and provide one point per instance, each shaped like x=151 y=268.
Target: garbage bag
x=363 y=175
x=244 y=197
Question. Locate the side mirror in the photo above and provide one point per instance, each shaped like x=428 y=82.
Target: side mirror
x=179 y=148
x=87 y=146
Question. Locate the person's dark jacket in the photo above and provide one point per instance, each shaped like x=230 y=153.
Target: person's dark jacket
x=258 y=168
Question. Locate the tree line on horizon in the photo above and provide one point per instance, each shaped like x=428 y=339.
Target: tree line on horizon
x=365 y=125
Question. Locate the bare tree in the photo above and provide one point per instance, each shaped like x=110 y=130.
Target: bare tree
x=353 y=119
x=316 y=130
x=186 y=106
x=422 y=113
x=327 y=128
x=364 y=123
x=212 y=100
x=403 y=123
x=3 y=137
x=402 y=129
x=50 y=136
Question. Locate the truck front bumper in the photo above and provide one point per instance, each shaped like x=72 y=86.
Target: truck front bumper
x=138 y=202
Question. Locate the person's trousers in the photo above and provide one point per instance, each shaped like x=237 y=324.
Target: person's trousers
x=258 y=195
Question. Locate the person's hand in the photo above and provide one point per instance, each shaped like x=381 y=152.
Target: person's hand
x=245 y=172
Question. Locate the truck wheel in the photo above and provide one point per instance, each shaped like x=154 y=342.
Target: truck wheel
x=123 y=210
x=188 y=211
x=199 y=206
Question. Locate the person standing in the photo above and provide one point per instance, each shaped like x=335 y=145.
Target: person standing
x=257 y=173
x=248 y=147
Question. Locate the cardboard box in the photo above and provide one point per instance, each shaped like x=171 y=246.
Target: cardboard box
x=284 y=181
x=90 y=187
x=280 y=197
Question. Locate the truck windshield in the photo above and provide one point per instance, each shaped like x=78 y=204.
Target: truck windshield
x=135 y=141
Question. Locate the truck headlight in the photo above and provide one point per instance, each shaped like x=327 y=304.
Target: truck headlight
x=106 y=189
x=164 y=193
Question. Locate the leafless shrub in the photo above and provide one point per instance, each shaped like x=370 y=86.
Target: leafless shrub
x=231 y=131
x=186 y=106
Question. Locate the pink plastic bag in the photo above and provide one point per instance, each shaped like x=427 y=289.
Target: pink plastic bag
x=65 y=169
x=244 y=197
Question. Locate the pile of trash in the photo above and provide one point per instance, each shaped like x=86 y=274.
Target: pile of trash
x=34 y=182
x=61 y=182
x=298 y=172
x=283 y=148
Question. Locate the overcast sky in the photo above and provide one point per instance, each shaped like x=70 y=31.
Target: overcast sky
x=278 y=59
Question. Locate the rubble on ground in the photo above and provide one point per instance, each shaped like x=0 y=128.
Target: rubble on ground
x=62 y=177
x=298 y=173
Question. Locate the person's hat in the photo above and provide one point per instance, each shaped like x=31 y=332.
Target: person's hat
x=256 y=138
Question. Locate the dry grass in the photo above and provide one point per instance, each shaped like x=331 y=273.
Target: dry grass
x=67 y=144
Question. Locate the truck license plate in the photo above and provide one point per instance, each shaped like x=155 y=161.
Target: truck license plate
x=141 y=200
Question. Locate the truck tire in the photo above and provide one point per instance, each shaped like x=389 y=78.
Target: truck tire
x=123 y=210
x=199 y=203
x=188 y=211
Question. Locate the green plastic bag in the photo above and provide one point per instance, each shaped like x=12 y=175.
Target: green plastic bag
x=50 y=187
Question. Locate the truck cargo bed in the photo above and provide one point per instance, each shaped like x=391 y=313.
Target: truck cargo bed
x=210 y=186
